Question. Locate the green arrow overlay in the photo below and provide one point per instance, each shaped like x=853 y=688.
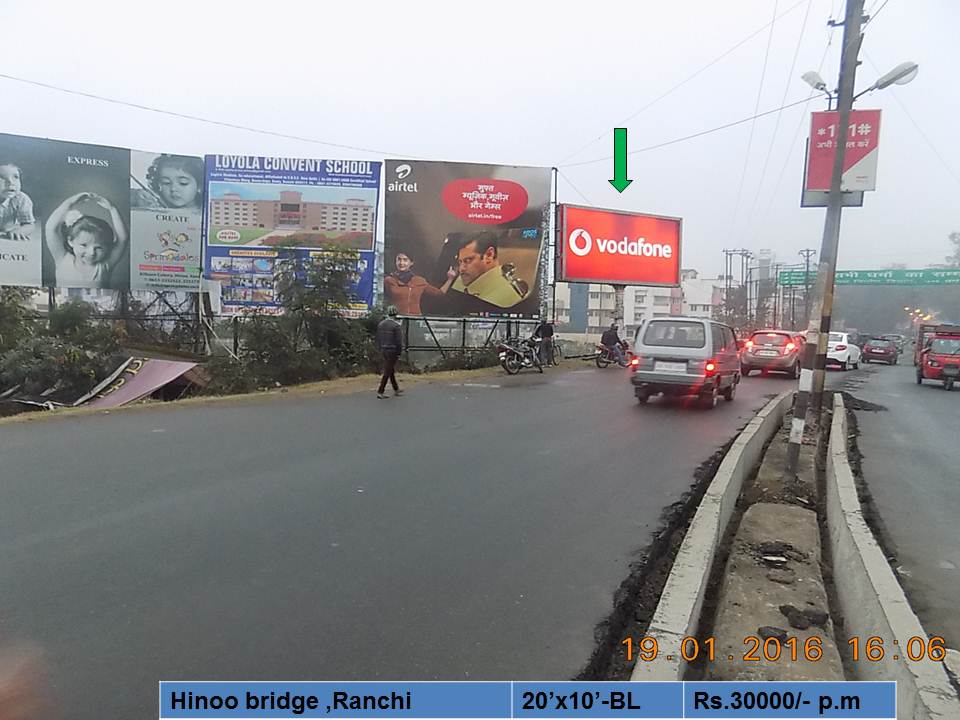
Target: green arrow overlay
x=620 y=181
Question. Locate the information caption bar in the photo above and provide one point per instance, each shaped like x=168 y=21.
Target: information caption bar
x=496 y=700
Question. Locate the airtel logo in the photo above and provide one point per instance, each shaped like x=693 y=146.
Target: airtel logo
x=574 y=242
x=403 y=170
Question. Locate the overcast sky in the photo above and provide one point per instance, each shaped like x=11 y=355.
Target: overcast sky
x=526 y=83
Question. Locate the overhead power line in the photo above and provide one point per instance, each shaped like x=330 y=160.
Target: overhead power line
x=209 y=121
x=776 y=127
x=753 y=124
x=694 y=135
x=796 y=133
x=923 y=135
x=683 y=82
x=570 y=183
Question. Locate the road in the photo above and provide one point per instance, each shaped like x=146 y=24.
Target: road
x=459 y=532
x=911 y=464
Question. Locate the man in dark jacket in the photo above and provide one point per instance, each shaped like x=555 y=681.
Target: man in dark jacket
x=390 y=339
x=544 y=331
x=611 y=339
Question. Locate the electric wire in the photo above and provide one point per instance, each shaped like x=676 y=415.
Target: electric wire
x=683 y=82
x=197 y=118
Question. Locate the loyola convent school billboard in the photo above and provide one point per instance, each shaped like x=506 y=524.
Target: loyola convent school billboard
x=263 y=211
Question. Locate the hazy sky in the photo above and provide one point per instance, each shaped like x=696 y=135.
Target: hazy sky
x=526 y=83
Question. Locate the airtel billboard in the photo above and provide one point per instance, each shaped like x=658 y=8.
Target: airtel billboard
x=618 y=248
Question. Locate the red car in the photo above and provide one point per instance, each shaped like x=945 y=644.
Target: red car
x=880 y=350
x=772 y=350
x=940 y=358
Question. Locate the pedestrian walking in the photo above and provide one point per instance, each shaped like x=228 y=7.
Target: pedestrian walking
x=390 y=339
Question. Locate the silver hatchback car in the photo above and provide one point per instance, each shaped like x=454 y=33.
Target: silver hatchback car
x=685 y=356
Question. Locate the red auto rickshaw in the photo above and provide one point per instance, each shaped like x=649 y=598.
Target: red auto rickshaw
x=940 y=356
x=925 y=332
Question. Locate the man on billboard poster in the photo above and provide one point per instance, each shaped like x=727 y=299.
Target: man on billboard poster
x=483 y=284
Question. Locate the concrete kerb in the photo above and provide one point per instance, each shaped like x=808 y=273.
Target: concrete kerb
x=871 y=600
x=678 y=613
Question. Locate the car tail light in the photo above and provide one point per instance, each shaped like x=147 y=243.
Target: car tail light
x=840 y=347
x=789 y=348
x=634 y=362
x=749 y=344
x=710 y=367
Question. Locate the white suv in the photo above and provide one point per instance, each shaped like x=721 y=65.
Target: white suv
x=841 y=351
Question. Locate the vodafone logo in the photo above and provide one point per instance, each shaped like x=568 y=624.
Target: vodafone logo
x=574 y=242
x=581 y=243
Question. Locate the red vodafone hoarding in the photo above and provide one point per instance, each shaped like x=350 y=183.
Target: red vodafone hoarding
x=619 y=248
x=860 y=158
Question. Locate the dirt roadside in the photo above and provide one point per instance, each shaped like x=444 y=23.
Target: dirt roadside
x=326 y=388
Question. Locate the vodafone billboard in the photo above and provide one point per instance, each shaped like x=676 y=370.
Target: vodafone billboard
x=618 y=248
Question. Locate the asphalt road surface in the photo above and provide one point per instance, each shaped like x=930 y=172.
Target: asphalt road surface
x=459 y=532
x=911 y=464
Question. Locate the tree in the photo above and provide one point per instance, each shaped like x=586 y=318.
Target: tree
x=16 y=320
x=310 y=339
x=953 y=259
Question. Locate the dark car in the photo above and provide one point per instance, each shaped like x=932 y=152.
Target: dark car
x=899 y=340
x=881 y=350
x=776 y=350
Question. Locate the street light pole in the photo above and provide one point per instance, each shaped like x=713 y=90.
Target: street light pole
x=814 y=355
x=807 y=253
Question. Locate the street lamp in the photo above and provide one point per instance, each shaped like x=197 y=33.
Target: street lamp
x=813 y=79
x=900 y=75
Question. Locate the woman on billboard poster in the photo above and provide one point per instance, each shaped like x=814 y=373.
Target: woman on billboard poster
x=404 y=288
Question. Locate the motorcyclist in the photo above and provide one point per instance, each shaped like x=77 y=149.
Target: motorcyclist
x=611 y=340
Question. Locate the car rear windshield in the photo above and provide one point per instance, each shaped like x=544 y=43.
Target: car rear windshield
x=674 y=333
x=777 y=339
x=836 y=337
x=945 y=346
x=879 y=343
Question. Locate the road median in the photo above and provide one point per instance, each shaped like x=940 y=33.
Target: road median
x=678 y=613
x=871 y=600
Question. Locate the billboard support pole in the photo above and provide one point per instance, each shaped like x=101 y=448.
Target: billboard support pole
x=810 y=392
x=618 y=304
x=556 y=245
x=435 y=340
x=490 y=334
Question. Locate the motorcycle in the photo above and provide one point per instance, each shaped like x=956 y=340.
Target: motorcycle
x=518 y=354
x=605 y=356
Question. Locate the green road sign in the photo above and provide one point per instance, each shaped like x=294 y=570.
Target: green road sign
x=877 y=277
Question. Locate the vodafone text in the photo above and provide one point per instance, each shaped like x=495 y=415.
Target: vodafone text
x=581 y=243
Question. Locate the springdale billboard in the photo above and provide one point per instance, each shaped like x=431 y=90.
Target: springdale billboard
x=619 y=248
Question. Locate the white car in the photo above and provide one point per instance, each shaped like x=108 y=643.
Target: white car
x=842 y=352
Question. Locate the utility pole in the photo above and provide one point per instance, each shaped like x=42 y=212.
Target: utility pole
x=810 y=392
x=807 y=254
